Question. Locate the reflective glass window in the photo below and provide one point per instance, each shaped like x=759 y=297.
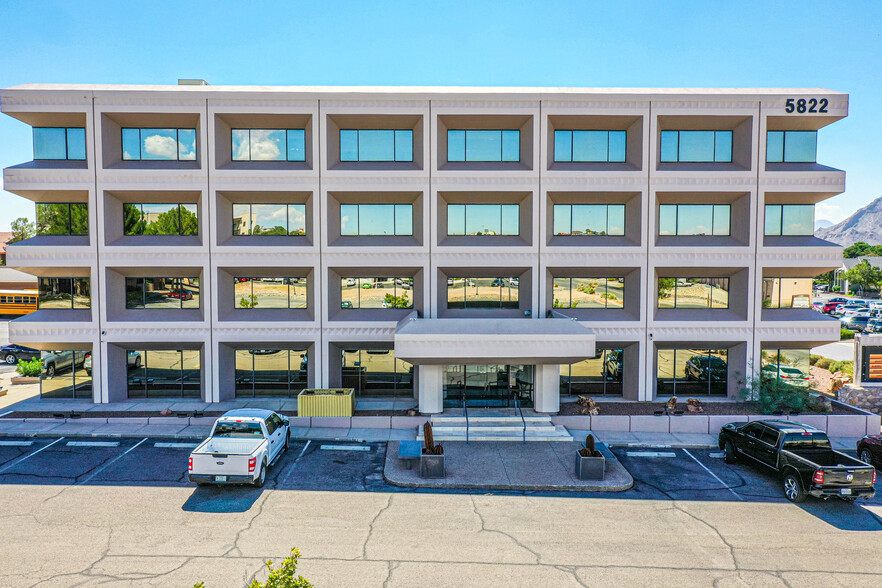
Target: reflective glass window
x=160 y=219
x=269 y=144
x=269 y=293
x=376 y=219
x=158 y=144
x=376 y=372
x=59 y=143
x=376 y=145
x=563 y=146
x=589 y=219
x=64 y=374
x=694 y=219
x=62 y=218
x=483 y=145
x=276 y=219
x=271 y=372
x=162 y=293
x=791 y=366
x=476 y=292
x=693 y=293
x=600 y=375
x=358 y=293
x=790 y=219
x=163 y=373
x=791 y=146
x=787 y=292
x=588 y=292
x=64 y=293
x=696 y=146
x=692 y=372
x=483 y=219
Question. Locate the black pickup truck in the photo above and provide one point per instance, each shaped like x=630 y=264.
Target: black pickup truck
x=802 y=456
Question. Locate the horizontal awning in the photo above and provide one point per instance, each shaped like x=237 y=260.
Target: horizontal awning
x=507 y=340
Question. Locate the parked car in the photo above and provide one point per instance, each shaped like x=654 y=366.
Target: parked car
x=242 y=445
x=843 y=308
x=498 y=283
x=864 y=311
x=346 y=304
x=787 y=373
x=819 y=306
x=802 y=456
x=838 y=299
x=855 y=323
x=59 y=361
x=612 y=366
x=829 y=307
x=874 y=326
x=705 y=368
x=181 y=294
x=875 y=305
x=869 y=449
x=12 y=353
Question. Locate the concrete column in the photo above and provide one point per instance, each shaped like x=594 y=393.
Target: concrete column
x=546 y=388
x=430 y=381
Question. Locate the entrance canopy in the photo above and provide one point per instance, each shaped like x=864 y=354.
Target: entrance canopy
x=482 y=340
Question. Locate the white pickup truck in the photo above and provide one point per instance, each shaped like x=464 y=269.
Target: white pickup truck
x=242 y=445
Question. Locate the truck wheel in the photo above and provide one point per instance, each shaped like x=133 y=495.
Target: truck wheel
x=793 y=488
x=50 y=370
x=260 y=480
x=731 y=456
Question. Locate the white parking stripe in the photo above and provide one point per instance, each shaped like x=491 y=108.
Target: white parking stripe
x=346 y=447
x=21 y=459
x=176 y=445
x=293 y=466
x=93 y=443
x=6 y=413
x=16 y=443
x=650 y=454
x=717 y=478
x=112 y=461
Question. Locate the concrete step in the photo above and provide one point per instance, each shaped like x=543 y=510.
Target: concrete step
x=509 y=433
x=440 y=421
x=493 y=427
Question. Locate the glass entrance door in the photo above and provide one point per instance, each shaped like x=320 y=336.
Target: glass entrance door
x=488 y=385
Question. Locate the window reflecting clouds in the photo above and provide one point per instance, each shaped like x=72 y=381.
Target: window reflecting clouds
x=269 y=219
x=376 y=219
x=483 y=219
x=269 y=144
x=589 y=219
x=159 y=144
x=790 y=219
x=694 y=219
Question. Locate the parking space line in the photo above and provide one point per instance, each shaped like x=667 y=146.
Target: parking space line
x=6 y=413
x=650 y=454
x=716 y=477
x=112 y=461
x=293 y=466
x=21 y=459
x=16 y=443
x=346 y=447
x=93 y=443
x=162 y=445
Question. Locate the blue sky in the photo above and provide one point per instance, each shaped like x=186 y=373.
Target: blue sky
x=837 y=45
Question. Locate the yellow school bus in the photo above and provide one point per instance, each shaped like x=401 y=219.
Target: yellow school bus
x=18 y=302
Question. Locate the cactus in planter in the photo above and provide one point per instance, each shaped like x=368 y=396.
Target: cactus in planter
x=430 y=448
x=589 y=450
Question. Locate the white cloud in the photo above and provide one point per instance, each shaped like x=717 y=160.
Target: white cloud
x=263 y=147
x=160 y=146
x=299 y=216
x=280 y=212
x=343 y=222
x=830 y=212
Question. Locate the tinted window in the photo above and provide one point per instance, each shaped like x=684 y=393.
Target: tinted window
x=160 y=219
x=64 y=293
x=376 y=219
x=376 y=145
x=588 y=292
x=62 y=218
x=696 y=146
x=789 y=219
x=162 y=293
x=376 y=293
x=589 y=146
x=693 y=293
x=589 y=219
x=269 y=144
x=159 y=144
x=769 y=436
x=268 y=293
x=791 y=146
x=482 y=292
x=483 y=219
x=480 y=145
x=796 y=441
x=269 y=219
x=694 y=219
x=59 y=143
x=237 y=430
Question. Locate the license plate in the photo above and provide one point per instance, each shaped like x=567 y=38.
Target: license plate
x=224 y=479
x=845 y=491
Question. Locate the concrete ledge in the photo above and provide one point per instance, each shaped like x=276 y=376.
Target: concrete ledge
x=331 y=422
x=182 y=421
x=127 y=420
x=581 y=422
x=818 y=421
x=716 y=422
x=298 y=421
x=843 y=425
x=692 y=424
x=610 y=422
x=406 y=422
x=205 y=421
x=643 y=423
x=89 y=420
x=874 y=424
x=371 y=422
x=44 y=420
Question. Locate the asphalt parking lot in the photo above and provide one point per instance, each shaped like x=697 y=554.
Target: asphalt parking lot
x=659 y=474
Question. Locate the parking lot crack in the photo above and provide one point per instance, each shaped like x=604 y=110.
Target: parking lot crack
x=371 y=527
x=572 y=570
x=503 y=533
x=716 y=531
x=392 y=566
x=259 y=511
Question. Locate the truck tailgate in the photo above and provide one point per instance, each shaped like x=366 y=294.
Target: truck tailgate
x=847 y=476
x=224 y=456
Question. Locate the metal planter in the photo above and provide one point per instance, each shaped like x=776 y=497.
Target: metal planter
x=431 y=466
x=590 y=468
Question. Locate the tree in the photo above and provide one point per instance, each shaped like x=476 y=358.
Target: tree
x=281 y=577
x=861 y=249
x=665 y=285
x=864 y=275
x=397 y=301
x=22 y=229
x=178 y=221
x=826 y=278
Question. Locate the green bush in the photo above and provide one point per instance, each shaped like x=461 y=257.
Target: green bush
x=824 y=363
x=774 y=395
x=846 y=367
x=813 y=359
x=845 y=334
x=283 y=577
x=29 y=369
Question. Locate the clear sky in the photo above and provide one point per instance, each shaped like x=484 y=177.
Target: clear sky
x=699 y=43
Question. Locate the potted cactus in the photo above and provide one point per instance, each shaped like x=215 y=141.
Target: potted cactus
x=432 y=458
x=590 y=463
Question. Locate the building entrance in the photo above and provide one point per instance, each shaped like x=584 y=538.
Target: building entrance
x=488 y=385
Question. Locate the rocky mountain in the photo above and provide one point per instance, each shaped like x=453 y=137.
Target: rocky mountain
x=864 y=225
x=823 y=224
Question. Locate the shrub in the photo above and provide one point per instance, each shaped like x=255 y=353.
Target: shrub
x=813 y=359
x=609 y=296
x=845 y=334
x=774 y=395
x=846 y=367
x=29 y=369
x=824 y=363
x=282 y=577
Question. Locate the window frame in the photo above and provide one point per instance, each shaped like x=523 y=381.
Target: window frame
x=572 y=139
x=502 y=223
x=251 y=159
x=679 y=143
x=358 y=146
x=177 y=131
x=676 y=287
x=394 y=206
x=465 y=146
x=713 y=208
x=66 y=145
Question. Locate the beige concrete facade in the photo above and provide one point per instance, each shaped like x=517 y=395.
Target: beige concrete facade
x=214 y=182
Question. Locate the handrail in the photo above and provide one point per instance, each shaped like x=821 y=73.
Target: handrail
x=465 y=410
x=523 y=421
